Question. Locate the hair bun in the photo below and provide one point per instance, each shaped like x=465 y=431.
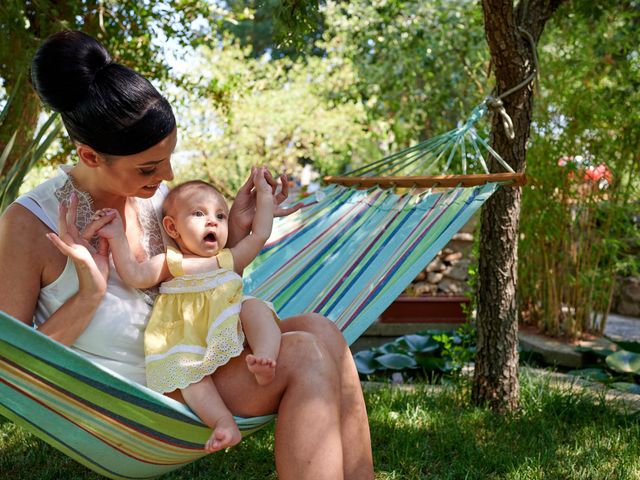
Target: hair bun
x=64 y=68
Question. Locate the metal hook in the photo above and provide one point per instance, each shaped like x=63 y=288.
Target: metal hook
x=507 y=123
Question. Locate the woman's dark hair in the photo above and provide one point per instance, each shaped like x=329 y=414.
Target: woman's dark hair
x=103 y=104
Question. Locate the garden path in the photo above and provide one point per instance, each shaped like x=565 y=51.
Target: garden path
x=620 y=327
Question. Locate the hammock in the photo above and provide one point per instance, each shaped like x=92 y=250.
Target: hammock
x=347 y=255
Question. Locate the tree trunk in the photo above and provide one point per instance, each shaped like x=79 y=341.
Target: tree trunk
x=23 y=112
x=16 y=60
x=496 y=371
x=23 y=118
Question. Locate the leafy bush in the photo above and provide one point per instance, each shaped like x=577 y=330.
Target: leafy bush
x=618 y=369
x=428 y=354
x=576 y=229
x=44 y=136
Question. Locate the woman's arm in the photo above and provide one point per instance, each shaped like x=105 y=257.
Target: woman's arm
x=29 y=261
x=137 y=274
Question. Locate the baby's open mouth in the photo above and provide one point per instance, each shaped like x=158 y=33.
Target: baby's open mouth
x=210 y=237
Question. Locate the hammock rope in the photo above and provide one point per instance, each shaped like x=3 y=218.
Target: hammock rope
x=411 y=167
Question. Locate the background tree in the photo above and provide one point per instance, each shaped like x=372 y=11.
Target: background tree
x=120 y=25
x=334 y=102
x=512 y=33
x=420 y=65
x=279 y=112
x=275 y=27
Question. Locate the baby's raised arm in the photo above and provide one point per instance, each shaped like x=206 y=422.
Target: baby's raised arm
x=248 y=248
x=137 y=274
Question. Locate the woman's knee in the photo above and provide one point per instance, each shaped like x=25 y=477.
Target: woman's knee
x=303 y=354
x=317 y=324
x=301 y=346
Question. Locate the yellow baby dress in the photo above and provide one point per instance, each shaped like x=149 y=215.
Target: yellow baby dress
x=195 y=324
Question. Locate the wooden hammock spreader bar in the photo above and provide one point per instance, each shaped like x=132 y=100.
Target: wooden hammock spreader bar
x=510 y=180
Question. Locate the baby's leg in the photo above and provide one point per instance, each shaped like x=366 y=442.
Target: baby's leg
x=205 y=401
x=263 y=336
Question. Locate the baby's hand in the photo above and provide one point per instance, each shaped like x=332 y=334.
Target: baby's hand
x=260 y=181
x=114 y=228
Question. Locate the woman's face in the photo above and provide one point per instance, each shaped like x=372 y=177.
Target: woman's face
x=141 y=174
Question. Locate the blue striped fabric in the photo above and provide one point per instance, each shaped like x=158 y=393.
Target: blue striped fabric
x=352 y=253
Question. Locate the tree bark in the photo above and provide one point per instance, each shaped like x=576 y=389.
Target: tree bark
x=496 y=372
x=15 y=64
x=22 y=115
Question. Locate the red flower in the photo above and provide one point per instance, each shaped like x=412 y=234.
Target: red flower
x=596 y=174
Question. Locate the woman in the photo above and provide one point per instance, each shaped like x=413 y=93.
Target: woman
x=125 y=133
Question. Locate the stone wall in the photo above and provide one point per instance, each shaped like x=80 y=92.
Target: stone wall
x=627 y=298
x=447 y=274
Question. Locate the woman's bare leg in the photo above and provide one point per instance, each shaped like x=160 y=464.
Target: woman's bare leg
x=306 y=395
x=356 y=439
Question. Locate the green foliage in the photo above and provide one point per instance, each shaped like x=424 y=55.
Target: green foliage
x=130 y=30
x=375 y=78
x=627 y=387
x=577 y=231
x=11 y=181
x=419 y=65
x=136 y=34
x=418 y=433
x=624 y=362
x=281 y=28
x=592 y=374
x=618 y=369
x=425 y=354
x=472 y=282
x=278 y=113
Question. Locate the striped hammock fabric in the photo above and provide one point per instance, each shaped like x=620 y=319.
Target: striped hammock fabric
x=347 y=255
x=351 y=254
x=113 y=426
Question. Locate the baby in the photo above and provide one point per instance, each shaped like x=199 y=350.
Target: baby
x=200 y=319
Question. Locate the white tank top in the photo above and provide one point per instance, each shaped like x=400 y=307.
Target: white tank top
x=115 y=336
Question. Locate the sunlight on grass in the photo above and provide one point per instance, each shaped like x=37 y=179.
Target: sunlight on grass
x=419 y=434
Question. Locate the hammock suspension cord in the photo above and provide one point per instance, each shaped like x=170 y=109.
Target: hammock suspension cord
x=412 y=167
x=495 y=103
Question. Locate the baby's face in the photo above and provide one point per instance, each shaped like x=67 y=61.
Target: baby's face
x=201 y=222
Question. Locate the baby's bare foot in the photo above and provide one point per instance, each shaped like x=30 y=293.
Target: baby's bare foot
x=262 y=367
x=225 y=434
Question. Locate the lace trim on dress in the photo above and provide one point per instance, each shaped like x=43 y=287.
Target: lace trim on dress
x=170 y=373
x=85 y=203
x=151 y=241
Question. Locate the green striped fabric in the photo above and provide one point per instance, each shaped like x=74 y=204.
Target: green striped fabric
x=351 y=254
x=108 y=423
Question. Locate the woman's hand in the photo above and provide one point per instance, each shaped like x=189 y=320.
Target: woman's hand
x=244 y=205
x=92 y=264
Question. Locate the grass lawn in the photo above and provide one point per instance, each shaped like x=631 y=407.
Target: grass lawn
x=425 y=433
